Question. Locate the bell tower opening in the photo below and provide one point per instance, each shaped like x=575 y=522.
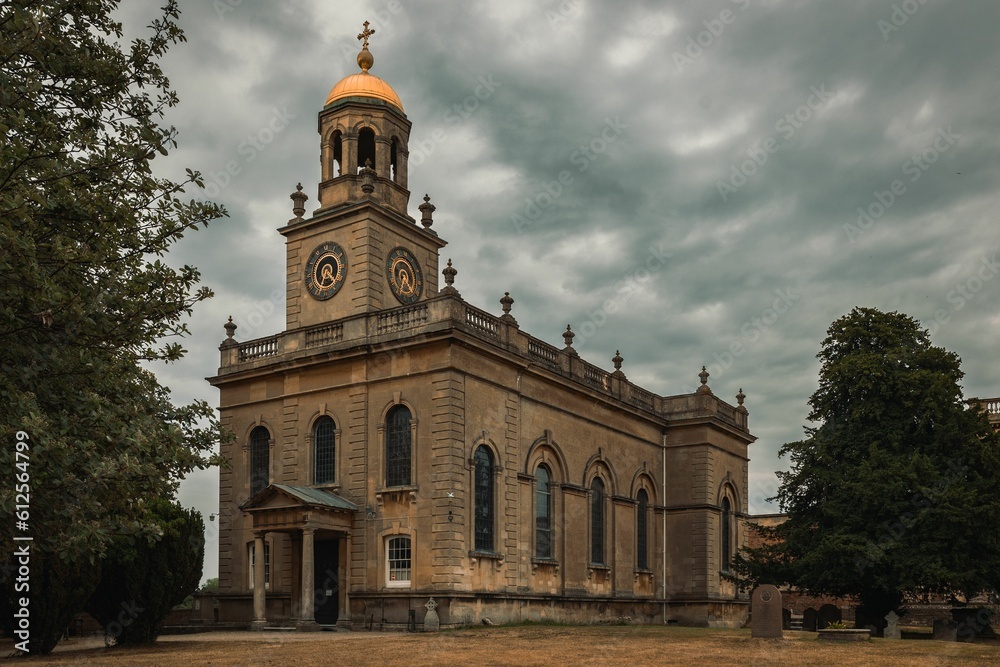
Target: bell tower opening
x=366 y=148
x=393 y=164
x=337 y=160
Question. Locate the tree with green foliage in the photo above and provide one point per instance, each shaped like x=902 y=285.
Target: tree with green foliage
x=87 y=296
x=143 y=579
x=894 y=494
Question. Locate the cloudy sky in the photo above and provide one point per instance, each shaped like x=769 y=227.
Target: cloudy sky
x=751 y=170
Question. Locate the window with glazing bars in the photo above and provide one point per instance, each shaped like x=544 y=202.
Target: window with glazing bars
x=260 y=459
x=597 y=521
x=641 y=531
x=543 y=513
x=727 y=521
x=397 y=447
x=398 y=558
x=324 y=447
x=484 y=499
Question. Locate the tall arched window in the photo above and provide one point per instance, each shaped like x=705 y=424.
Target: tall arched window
x=260 y=459
x=336 y=169
x=324 y=449
x=393 y=160
x=642 y=530
x=543 y=513
x=484 y=499
x=727 y=528
x=597 y=521
x=397 y=446
x=366 y=148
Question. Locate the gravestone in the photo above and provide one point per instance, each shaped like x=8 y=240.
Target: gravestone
x=828 y=614
x=432 y=622
x=945 y=630
x=765 y=610
x=809 y=620
x=891 y=630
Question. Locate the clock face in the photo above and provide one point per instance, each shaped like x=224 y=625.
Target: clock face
x=405 y=278
x=325 y=270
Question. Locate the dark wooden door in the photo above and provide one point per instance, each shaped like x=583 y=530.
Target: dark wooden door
x=327 y=561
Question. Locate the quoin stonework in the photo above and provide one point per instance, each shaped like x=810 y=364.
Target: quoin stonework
x=396 y=444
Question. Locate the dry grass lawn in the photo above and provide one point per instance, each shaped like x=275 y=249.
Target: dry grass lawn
x=521 y=645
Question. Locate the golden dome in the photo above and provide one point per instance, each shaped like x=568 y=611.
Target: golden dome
x=364 y=84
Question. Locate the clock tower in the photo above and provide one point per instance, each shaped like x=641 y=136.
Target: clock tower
x=360 y=251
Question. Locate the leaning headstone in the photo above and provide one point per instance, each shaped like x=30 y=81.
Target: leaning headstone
x=945 y=630
x=892 y=626
x=432 y=623
x=765 y=609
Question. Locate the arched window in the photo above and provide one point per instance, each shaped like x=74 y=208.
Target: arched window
x=727 y=528
x=393 y=163
x=324 y=448
x=366 y=148
x=397 y=446
x=260 y=459
x=597 y=521
x=642 y=530
x=484 y=499
x=543 y=513
x=336 y=168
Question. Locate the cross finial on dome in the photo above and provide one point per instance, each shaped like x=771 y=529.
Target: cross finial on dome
x=368 y=32
x=365 y=58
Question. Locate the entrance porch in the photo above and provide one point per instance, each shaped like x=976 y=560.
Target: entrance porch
x=319 y=523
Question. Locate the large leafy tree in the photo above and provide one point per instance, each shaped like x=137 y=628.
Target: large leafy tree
x=894 y=493
x=86 y=296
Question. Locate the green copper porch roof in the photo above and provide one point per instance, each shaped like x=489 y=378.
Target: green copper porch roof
x=316 y=497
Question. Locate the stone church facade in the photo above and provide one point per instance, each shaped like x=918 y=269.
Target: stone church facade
x=395 y=443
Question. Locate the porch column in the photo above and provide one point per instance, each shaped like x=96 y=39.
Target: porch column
x=344 y=617
x=259 y=601
x=307 y=617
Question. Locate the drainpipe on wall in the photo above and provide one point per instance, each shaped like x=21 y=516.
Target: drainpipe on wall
x=663 y=502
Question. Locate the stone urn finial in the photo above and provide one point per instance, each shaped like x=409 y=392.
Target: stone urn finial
x=426 y=213
x=298 y=202
x=230 y=332
x=368 y=177
x=449 y=272
x=704 y=388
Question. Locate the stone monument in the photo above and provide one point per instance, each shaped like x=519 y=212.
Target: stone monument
x=892 y=626
x=945 y=630
x=765 y=612
x=432 y=623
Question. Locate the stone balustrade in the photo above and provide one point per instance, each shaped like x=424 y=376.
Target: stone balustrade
x=447 y=311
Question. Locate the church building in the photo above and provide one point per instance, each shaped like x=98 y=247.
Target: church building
x=399 y=450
